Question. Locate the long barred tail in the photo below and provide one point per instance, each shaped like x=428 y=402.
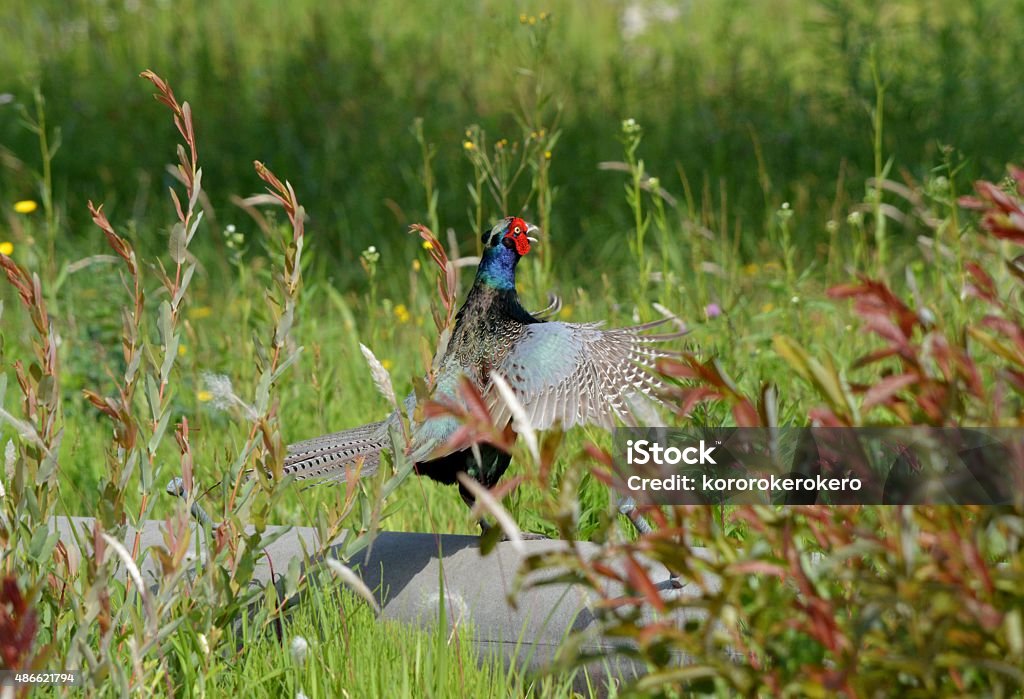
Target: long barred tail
x=327 y=458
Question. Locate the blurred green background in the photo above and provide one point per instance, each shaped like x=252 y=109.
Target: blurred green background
x=755 y=102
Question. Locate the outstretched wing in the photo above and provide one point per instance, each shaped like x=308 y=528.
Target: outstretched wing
x=578 y=373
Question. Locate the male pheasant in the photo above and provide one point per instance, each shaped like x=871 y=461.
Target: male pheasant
x=567 y=373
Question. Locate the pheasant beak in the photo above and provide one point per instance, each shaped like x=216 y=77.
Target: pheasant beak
x=532 y=229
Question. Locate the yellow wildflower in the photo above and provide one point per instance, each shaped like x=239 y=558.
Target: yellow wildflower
x=547 y=155
x=768 y=308
x=533 y=20
x=200 y=312
x=402 y=313
x=6 y=248
x=752 y=269
x=566 y=311
x=427 y=245
x=182 y=350
x=204 y=396
x=26 y=206
x=387 y=364
x=522 y=18
x=468 y=145
x=415 y=265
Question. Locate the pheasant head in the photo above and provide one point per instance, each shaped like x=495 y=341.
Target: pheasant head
x=504 y=245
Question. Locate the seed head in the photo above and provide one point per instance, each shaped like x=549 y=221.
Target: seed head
x=299 y=649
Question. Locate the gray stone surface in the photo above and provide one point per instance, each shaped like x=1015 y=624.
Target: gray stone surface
x=406 y=572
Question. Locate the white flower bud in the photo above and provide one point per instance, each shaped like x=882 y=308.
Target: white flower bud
x=299 y=649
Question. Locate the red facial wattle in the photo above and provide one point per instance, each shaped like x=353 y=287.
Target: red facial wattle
x=522 y=244
x=517 y=232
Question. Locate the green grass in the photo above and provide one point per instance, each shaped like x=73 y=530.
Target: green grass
x=767 y=103
x=761 y=121
x=350 y=653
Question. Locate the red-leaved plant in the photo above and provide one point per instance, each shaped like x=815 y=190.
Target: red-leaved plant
x=854 y=601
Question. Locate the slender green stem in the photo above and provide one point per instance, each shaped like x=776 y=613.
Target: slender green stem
x=877 y=122
x=427 y=152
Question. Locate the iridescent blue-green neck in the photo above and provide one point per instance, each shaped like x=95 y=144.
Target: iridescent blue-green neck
x=498 y=268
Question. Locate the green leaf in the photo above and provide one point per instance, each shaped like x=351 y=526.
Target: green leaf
x=129 y=469
x=195 y=222
x=170 y=354
x=291 y=577
x=1014 y=632
x=284 y=325
x=176 y=244
x=197 y=188
x=158 y=433
x=133 y=367
x=660 y=680
x=186 y=279
x=263 y=394
x=48 y=467
x=164 y=323
x=42 y=544
x=152 y=396
x=285 y=364
x=1007 y=352
x=822 y=377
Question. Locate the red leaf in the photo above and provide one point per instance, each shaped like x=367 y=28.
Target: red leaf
x=758 y=568
x=598 y=454
x=996 y=196
x=973 y=203
x=675 y=368
x=984 y=286
x=876 y=356
x=1006 y=328
x=745 y=414
x=640 y=581
x=691 y=397
x=884 y=390
x=826 y=418
x=605 y=571
x=1016 y=379
x=474 y=401
x=602 y=476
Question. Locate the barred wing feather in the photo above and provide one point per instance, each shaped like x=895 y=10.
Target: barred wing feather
x=578 y=373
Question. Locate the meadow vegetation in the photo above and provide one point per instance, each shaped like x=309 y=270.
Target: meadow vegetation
x=788 y=178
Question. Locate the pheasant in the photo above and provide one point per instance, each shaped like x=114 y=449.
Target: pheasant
x=566 y=373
